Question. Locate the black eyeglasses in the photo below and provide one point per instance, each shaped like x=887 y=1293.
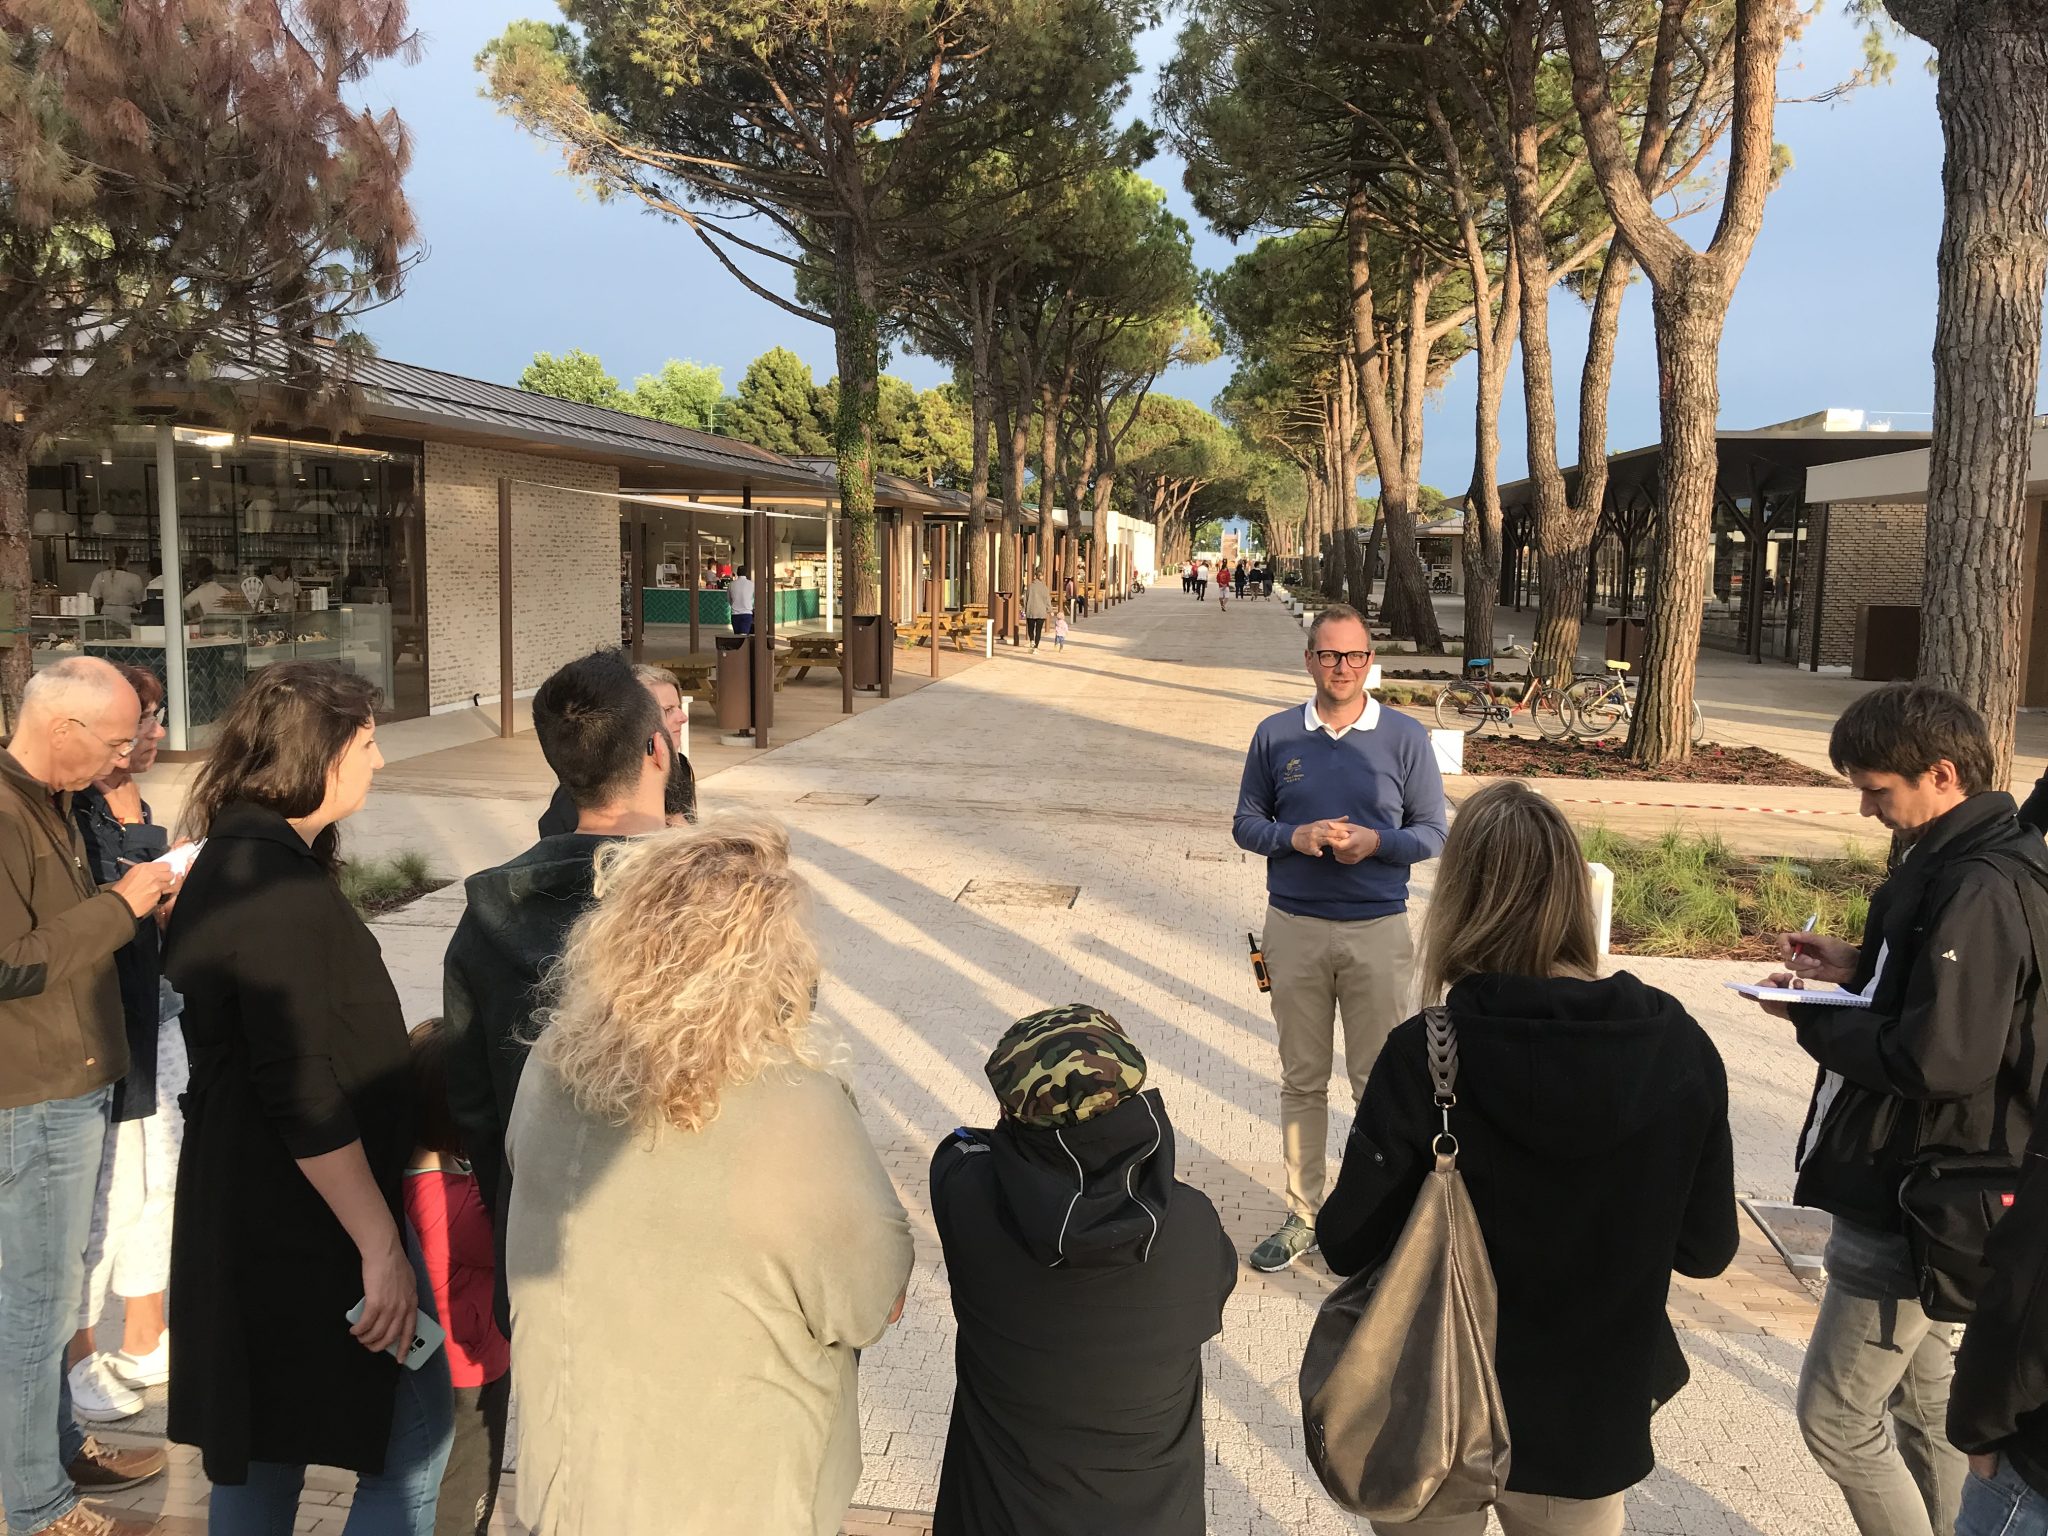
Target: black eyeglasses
x=1354 y=659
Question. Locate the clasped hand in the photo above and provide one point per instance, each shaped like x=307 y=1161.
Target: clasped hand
x=1352 y=844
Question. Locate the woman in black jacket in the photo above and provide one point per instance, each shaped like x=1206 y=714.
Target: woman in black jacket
x=1592 y=1122
x=298 y=1125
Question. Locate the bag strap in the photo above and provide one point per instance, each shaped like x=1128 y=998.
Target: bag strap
x=1442 y=1038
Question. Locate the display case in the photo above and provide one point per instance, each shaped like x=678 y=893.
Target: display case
x=56 y=636
x=281 y=635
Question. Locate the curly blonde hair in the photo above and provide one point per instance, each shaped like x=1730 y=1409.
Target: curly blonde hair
x=693 y=972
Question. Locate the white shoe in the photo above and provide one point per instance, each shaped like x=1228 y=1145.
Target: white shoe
x=97 y=1397
x=150 y=1370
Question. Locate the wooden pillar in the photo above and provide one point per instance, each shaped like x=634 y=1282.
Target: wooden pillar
x=845 y=531
x=937 y=533
x=760 y=562
x=885 y=541
x=505 y=607
x=696 y=560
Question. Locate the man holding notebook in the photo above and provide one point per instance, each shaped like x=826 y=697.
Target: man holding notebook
x=1946 y=1058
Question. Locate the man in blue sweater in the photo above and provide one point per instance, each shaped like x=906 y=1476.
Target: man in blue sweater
x=1341 y=796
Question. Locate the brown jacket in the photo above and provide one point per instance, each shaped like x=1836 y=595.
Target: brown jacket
x=61 y=1031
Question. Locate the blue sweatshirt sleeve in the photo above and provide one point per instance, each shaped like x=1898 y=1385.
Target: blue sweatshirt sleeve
x=1254 y=827
x=1423 y=827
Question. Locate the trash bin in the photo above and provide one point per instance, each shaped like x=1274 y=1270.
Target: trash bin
x=869 y=646
x=1003 y=613
x=1887 y=644
x=1625 y=641
x=735 y=682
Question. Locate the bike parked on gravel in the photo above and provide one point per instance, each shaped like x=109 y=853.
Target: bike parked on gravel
x=1600 y=706
x=1477 y=700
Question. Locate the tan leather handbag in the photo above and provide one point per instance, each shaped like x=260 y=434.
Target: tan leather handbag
x=1398 y=1395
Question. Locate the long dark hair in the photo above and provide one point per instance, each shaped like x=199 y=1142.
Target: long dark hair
x=280 y=740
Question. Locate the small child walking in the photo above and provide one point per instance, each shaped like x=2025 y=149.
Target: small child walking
x=446 y=1210
x=1059 y=633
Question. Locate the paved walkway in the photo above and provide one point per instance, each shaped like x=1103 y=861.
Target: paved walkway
x=1112 y=770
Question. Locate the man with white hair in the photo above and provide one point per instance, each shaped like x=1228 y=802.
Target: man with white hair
x=62 y=1048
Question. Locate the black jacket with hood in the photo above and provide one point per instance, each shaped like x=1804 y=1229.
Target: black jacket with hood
x=1085 y=1281
x=514 y=928
x=1592 y=1123
x=1950 y=1053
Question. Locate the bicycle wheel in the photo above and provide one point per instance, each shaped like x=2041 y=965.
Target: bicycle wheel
x=1552 y=712
x=1596 y=706
x=1699 y=725
x=1462 y=707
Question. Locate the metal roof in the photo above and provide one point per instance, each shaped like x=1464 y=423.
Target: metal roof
x=406 y=399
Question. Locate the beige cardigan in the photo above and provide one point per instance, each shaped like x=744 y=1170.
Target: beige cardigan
x=686 y=1307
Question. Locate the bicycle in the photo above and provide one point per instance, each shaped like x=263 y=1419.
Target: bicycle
x=1440 y=581
x=1600 y=705
x=1477 y=700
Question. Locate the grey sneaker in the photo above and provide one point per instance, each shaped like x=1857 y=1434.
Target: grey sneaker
x=1294 y=1238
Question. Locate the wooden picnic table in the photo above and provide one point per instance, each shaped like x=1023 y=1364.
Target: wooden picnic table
x=805 y=652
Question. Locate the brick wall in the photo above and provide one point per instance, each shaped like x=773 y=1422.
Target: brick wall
x=1876 y=553
x=565 y=568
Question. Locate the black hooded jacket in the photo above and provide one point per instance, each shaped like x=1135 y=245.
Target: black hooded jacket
x=514 y=928
x=1085 y=1281
x=1592 y=1123
x=1950 y=1053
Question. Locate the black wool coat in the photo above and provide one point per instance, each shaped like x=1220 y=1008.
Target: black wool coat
x=298 y=1048
x=1592 y=1126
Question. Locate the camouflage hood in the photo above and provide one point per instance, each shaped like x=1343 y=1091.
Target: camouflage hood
x=1064 y=1065
x=1090 y=1195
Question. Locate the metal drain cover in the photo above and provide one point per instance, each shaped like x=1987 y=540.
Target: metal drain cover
x=834 y=797
x=1798 y=1232
x=1016 y=893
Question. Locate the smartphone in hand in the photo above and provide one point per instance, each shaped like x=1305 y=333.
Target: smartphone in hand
x=426 y=1337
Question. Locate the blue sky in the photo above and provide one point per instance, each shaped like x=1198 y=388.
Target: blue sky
x=1836 y=309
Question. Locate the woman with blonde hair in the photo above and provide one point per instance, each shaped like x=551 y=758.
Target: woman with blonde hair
x=701 y=1237
x=1592 y=1121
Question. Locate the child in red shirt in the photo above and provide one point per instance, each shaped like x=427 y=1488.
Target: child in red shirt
x=447 y=1212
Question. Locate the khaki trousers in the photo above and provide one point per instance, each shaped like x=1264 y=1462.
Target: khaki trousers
x=1526 y=1514
x=1319 y=968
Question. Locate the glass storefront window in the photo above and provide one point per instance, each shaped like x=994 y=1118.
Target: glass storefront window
x=286 y=549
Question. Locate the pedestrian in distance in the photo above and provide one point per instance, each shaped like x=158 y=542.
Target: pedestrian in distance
x=1577 y=1097
x=699 y=1226
x=601 y=732
x=1202 y=582
x=1064 y=1222
x=60 y=1013
x=1222 y=594
x=128 y=1252
x=739 y=593
x=292 y=1277
x=453 y=1225
x=1239 y=579
x=1037 y=607
x=1059 y=633
x=1944 y=1060
x=1341 y=798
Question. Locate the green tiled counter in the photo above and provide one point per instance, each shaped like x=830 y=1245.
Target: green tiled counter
x=671 y=605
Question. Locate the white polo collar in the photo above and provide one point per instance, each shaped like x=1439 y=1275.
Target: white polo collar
x=1311 y=721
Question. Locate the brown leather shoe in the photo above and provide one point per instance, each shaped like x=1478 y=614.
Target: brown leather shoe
x=99 y=1468
x=84 y=1520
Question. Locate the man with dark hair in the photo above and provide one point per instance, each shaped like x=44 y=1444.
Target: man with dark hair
x=679 y=800
x=1341 y=797
x=602 y=733
x=1945 y=1058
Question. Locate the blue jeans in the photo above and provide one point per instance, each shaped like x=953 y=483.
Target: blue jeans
x=2003 y=1504
x=743 y=623
x=49 y=1166
x=400 y=1500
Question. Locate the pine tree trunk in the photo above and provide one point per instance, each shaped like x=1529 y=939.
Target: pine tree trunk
x=1691 y=311
x=15 y=579
x=857 y=341
x=1993 y=256
x=980 y=582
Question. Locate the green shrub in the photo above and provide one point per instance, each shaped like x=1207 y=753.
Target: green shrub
x=376 y=885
